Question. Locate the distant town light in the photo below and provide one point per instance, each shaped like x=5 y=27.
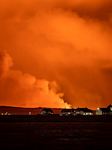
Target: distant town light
x=6 y=113
x=29 y=113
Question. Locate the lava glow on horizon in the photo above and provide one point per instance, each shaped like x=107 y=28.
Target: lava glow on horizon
x=56 y=54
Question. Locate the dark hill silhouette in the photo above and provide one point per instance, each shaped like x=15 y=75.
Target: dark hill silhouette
x=25 y=111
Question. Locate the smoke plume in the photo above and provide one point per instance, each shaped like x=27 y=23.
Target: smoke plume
x=18 y=89
x=68 y=44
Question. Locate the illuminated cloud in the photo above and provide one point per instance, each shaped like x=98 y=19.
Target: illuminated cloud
x=18 y=89
x=66 y=42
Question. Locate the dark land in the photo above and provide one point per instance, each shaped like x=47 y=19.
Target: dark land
x=18 y=114
x=55 y=135
x=54 y=118
x=25 y=111
x=54 y=132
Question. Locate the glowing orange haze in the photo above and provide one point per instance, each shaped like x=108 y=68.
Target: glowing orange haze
x=56 y=53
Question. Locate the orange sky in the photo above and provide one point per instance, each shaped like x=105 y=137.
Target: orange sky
x=55 y=53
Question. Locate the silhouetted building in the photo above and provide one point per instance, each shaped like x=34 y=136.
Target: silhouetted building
x=84 y=111
x=46 y=111
x=110 y=107
x=67 y=112
x=104 y=111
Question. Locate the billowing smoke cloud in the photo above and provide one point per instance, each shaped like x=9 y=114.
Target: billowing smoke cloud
x=66 y=42
x=18 y=89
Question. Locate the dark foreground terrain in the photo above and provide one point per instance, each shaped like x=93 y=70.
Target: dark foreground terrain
x=54 y=132
x=56 y=135
x=55 y=118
